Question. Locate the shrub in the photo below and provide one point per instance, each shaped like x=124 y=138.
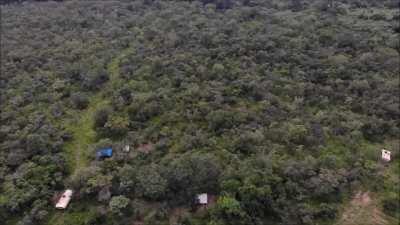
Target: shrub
x=391 y=204
x=119 y=205
x=79 y=100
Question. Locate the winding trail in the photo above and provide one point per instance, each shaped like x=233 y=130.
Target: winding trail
x=82 y=129
x=83 y=134
x=363 y=209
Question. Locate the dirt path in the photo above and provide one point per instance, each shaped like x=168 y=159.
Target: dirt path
x=83 y=134
x=363 y=209
x=82 y=129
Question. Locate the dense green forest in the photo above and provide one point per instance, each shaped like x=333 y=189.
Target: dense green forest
x=278 y=109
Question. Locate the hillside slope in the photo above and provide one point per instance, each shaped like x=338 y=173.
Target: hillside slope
x=278 y=110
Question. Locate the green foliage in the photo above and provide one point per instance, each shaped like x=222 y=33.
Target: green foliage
x=119 y=204
x=278 y=107
x=391 y=204
x=79 y=101
x=228 y=209
x=190 y=175
x=117 y=125
x=78 y=218
x=150 y=183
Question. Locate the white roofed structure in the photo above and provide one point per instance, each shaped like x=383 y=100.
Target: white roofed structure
x=386 y=155
x=202 y=199
x=126 y=148
x=64 y=200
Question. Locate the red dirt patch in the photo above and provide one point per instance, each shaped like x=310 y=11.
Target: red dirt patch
x=361 y=199
x=145 y=148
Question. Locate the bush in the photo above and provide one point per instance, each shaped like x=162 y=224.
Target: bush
x=391 y=204
x=101 y=117
x=119 y=205
x=150 y=184
x=79 y=100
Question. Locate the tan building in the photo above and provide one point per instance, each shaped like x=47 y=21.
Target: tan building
x=64 y=200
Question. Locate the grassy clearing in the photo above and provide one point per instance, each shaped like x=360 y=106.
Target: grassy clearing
x=77 y=156
x=113 y=67
x=76 y=150
x=83 y=135
x=72 y=218
x=364 y=208
x=77 y=214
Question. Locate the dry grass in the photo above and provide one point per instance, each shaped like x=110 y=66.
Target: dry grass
x=364 y=209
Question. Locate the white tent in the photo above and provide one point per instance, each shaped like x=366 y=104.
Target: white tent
x=64 y=199
x=202 y=199
x=386 y=155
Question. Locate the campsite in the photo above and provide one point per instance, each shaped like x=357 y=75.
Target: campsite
x=199 y=112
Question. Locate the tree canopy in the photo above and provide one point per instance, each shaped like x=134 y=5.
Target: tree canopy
x=277 y=109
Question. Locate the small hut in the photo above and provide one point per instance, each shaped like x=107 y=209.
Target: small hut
x=202 y=199
x=386 y=155
x=64 y=200
x=126 y=148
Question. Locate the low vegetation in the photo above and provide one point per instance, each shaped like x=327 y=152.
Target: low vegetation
x=278 y=109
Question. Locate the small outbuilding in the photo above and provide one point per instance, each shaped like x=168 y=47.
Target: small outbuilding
x=64 y=200
x=104 y=153
x=126 y=148
x=202 y=199
x=386 y=155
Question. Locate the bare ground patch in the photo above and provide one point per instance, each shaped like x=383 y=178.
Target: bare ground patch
x=363 y=209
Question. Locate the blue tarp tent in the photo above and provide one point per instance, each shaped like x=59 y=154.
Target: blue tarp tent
x=104 y=153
